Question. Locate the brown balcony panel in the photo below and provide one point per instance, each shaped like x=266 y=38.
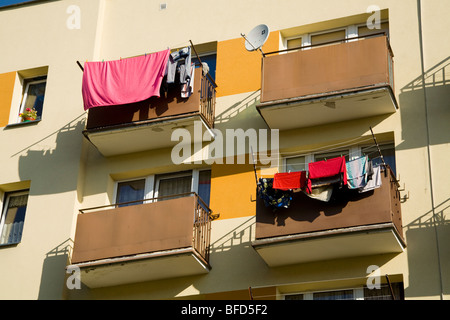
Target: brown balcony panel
x=353 y=224
x=328 y=84
x=148 y=124
x=142 y=242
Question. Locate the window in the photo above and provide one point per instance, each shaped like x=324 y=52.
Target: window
x=331 y=155
x=173 y=184
x=164 y=187
x=33 y=95
x=388 y=152
x=362 y=293
x=334 y=295
x=326 y=37
x=335 y=36
x=295 y=164
x=210 y=59
x=13 y=217
x=347 y=294
x=294 y=43
x=204 y=186
x=364 y=31
x=300 y=163
x=384 y=292
x=297 y=296
x=207 y=53
x=130 y=191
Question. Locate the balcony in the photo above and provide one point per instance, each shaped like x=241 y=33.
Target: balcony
x=328 y=83
x=356 y=224
x=158 y=239
x=148 y=125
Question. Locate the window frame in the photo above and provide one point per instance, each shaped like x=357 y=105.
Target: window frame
x=206 y=54
x=6 y=196
x=351 y=31
x=306 y=37
x=357 y=26
x=152 y=183
x=318 y=33
x=358 y=292
x=173 y=175
x=117 y=193
x=26 y=85
x=354 y=152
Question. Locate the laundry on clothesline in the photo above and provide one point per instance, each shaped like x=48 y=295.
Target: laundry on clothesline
x=357 y=172
x=321 y=179
x=274 y=198
x=328 y=168
x=135 y=79
x=123 y=81
x=374 y=181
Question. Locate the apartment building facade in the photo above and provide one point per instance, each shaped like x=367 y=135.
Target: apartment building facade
x=163 y=198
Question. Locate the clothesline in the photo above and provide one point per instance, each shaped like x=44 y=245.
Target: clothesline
x=349 y=152
x=327 y=148
x=183 y=44
x=139 y=77
x=320 y=181
x=305 y=163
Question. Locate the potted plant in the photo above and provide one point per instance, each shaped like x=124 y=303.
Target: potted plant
x=28 y=115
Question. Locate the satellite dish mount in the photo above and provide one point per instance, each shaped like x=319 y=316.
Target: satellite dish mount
x=256 y=38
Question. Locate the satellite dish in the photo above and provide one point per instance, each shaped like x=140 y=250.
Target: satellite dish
x=256 y=38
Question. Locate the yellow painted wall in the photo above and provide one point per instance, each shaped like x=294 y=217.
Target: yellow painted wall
x=239 y=70
x=6 y=93
x=232 y=185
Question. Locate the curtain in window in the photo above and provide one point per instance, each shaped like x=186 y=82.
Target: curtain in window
x=334 y=295
x=204 y=186
x=174 y=186
x=130 y=191
x=35 y=96
x=388 y=152
x=296 y=164
x=384 y=292
x=14 y=217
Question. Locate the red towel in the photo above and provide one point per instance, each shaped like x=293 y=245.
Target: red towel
x=328 y=168
x=123 y=81
x=290 y=180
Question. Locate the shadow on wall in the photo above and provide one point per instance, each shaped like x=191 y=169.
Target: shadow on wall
x=423 y=252
x=241 y=113
x=55 y=169
x=53 y=274
x=436 y=82
x=429 y=235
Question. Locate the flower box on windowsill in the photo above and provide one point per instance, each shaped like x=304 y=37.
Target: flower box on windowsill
x=24 y=123
x=28 y=119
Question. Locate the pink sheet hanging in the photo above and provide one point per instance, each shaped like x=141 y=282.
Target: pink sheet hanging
x=123 y=81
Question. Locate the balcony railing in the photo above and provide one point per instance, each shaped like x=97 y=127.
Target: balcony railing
x=354 y=224
x=158 y=233
x=208 y=99
x=331 y=82
x=148 y=124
